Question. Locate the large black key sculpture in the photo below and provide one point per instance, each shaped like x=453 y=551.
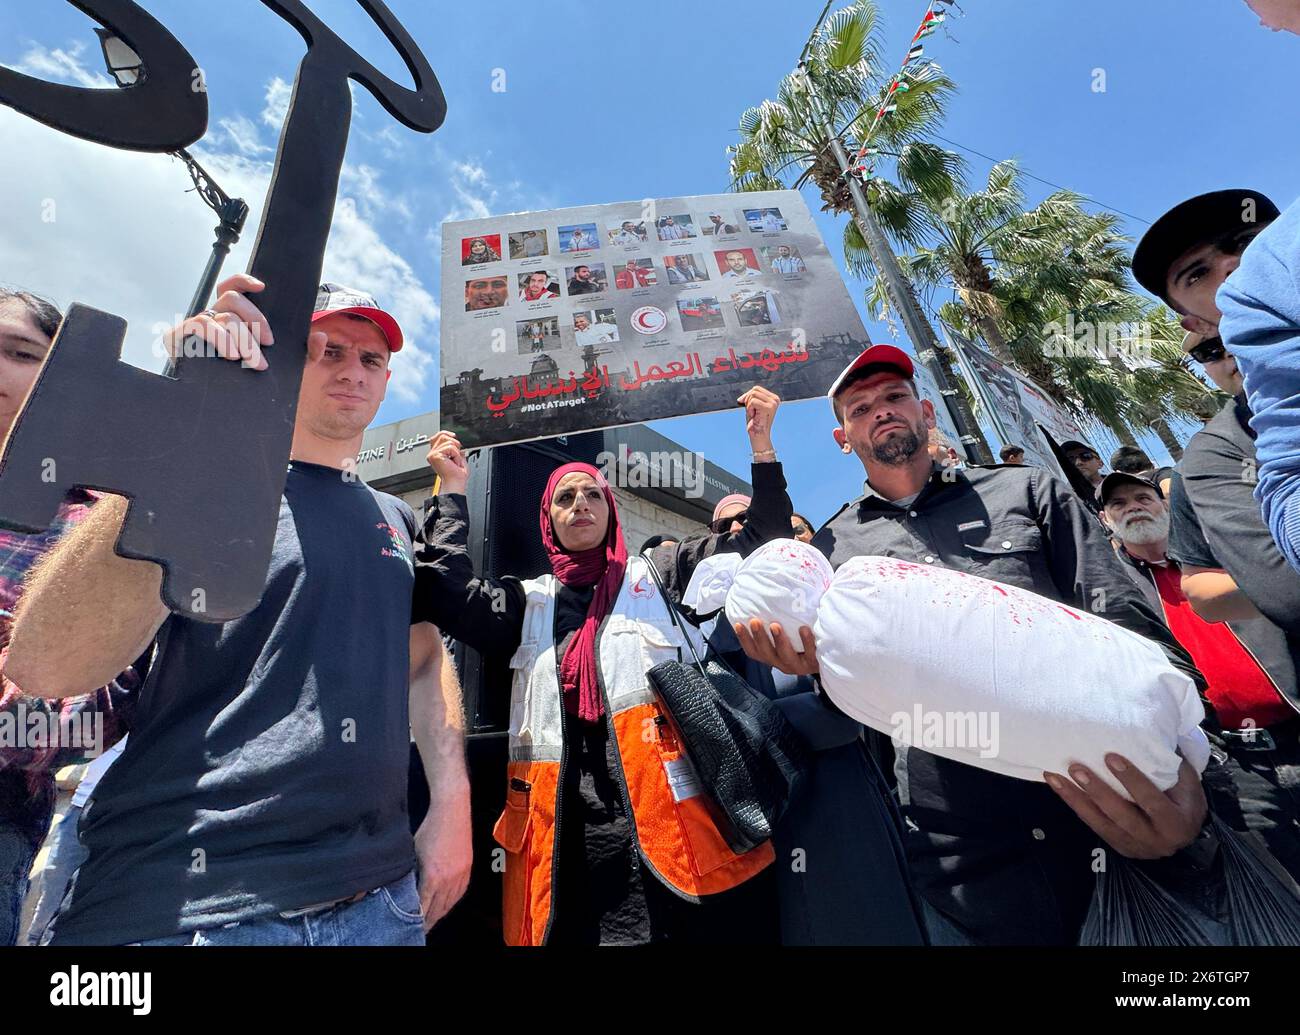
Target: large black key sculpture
x=201 y=455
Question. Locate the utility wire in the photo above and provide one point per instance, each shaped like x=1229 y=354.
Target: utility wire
x=989 y=158
x=1040 y=179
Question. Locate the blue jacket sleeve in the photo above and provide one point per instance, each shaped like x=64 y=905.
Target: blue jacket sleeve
x=1260 y=304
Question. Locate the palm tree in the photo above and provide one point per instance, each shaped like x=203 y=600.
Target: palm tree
x=1133 y=374
x=1027 y=281
x=1164 y=386
x=830 y=103
x=783 y=143
x=957 y=236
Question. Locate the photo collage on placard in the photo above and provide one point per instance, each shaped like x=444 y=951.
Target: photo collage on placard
x=571 y=284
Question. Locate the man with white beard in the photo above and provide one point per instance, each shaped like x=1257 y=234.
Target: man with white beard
x=1242 y=692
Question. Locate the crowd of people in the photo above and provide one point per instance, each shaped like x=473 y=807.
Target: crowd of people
x=261 y=796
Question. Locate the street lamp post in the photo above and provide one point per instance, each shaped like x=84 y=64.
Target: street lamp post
x=122 y=62
x=900 y=293
x=126 y=68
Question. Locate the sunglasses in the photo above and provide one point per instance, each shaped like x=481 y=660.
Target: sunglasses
x=802 y=528
x=1075 y=458
x=1208 y=351
x=723 y=524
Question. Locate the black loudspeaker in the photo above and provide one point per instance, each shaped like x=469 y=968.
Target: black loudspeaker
x=504 y=495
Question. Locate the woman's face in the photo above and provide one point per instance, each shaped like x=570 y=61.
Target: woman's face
x=732 y=510
x=579 y=513
x=23 y=346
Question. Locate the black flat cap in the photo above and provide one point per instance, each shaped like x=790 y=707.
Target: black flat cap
x=1198 y=219
x=1115 y=479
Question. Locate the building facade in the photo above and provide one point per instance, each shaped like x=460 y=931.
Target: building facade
x=661 y=488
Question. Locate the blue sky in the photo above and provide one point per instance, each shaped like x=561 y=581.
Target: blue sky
x=608 y=102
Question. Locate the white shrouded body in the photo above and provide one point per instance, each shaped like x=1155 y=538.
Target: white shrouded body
x=929 y=655
x=973 y=670
x=782 y=581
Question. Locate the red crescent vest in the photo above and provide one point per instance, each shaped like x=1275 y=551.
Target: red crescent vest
x=671 y=817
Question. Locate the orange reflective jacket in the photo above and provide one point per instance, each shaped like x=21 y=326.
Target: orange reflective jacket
x=671 y=817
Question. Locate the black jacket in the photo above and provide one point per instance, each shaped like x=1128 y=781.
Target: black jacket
x=1005 y=859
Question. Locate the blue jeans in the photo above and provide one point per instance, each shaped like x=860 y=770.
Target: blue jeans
x=15 y=862
x=387 y=916
x=67 y=853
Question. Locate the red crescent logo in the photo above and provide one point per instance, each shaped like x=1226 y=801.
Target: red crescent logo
x=649 y=319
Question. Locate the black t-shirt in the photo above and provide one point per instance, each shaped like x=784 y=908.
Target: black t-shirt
x=267 y=767
x=599 y=874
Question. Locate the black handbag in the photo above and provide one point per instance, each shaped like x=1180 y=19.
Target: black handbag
x=750 y=760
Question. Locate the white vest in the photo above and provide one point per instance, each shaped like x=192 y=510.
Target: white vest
x=637 y=635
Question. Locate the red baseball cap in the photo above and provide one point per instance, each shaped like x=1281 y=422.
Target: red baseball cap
x=331 y=298
x=886 y=357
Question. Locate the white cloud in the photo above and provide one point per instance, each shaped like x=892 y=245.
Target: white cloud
x=61 y=66
x=391 y=142
x=278 y=93
x=475 y=196
x=362 y=184
x=244 y=134
x=123 y=231
x=470 y=172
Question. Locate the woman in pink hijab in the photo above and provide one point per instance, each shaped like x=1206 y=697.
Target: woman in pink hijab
x=730 y=513
x=609 y=838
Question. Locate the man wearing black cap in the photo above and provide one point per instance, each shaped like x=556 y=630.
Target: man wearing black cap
x=1248 y=794
x=261 y=799
x=1190 y=250
x=1232 y=570
x=1184 y=259
x=1086 y=460
x=996 y=860
x=1253 y=792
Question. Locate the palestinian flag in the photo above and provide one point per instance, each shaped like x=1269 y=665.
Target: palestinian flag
x=899 y=87
x=886 y=109
x=928 y=24
x=914 y=54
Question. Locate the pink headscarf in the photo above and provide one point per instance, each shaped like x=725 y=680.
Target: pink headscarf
x=727 y=501
x=602 y=566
